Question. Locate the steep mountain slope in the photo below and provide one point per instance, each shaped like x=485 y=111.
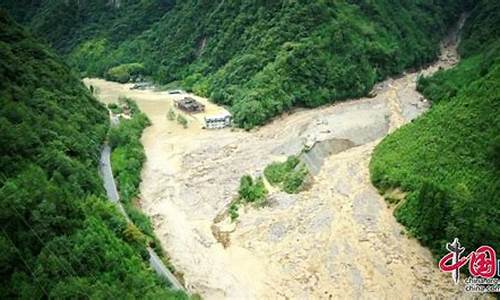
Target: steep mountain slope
x=259 y=57
x=59 y=237
x=448 y=160
x=67 y=23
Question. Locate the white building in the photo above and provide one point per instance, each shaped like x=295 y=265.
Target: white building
x=217 y=122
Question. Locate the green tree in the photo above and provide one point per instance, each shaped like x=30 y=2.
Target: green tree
x=171 y=114
x=182 y=121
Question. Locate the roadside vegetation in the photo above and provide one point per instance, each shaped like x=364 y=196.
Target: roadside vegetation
x=251 y=192
x=289 y=175
x=259 y=58
x=114 y=108
x=447 y=161
x=127 y=159
x=60 y=237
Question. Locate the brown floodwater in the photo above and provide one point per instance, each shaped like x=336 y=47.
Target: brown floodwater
x=338 y=239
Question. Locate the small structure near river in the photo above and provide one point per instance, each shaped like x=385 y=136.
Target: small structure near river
x=217 y=122
x=189 y=105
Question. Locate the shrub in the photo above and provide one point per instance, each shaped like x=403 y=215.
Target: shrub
x=134 y=235
x=114 y=108
x=294 y=180
x=288 y=175
x=233 y=211
x=276 y=172
x=171 y=114
x=190 y=81
x=249 y=192
x=182 y=121
x=124 y=73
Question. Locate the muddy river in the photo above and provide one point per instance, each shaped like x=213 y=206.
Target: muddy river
x=338 y=239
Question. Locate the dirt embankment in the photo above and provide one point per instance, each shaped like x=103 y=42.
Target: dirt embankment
x=336 y=240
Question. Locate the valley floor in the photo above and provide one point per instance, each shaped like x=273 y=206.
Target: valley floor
x=336 y=240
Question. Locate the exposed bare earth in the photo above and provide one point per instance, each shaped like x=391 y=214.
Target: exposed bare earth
x=338 y=239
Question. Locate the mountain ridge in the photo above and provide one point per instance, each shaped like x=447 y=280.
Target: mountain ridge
x=260 y=58
x=60 y=238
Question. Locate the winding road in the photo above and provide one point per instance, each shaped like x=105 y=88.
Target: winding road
x=113 y=196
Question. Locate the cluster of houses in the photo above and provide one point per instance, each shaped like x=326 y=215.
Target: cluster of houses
x=191 y=105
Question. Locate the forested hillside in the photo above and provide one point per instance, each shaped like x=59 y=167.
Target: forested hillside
x=59 y=237
x=258 y=57
x=448 y=161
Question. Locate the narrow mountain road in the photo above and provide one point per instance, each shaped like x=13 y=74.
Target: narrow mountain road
x=107 y=175
x=110 y=186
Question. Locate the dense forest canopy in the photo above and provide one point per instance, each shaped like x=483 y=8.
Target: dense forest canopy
x=448 y=161
x=59 y=237
x=258 y=57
